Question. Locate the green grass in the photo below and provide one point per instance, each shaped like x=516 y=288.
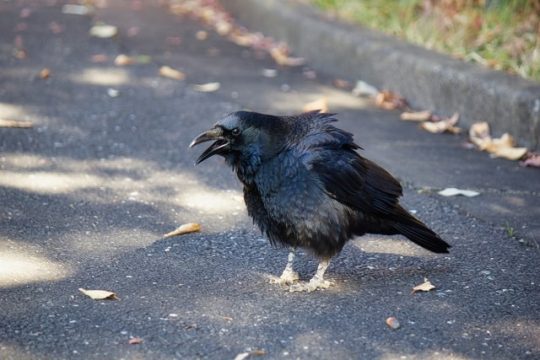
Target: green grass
x=500 y=34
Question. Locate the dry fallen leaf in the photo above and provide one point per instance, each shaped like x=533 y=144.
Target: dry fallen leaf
x=479 y=134
x=208 y=87
x=425 y=286
x=6 y=123
x=454 y=191
x=280 y=56
x=123 y=60
x=99 y=58
x=184 y=229
x=201 y=35
x=498 y=147
x=169 y=72
x=504 y=147
x=532 y=159
x=103 y=31
x=258 y=352
x=341 y=84
x=389 y=100
x=135 y=341
x=44 y=73
x=55 y=27
x=99 y=294
x=392 y=323
x=444 y=125
x=319 y=104
x=416 y=116
x=215 y=16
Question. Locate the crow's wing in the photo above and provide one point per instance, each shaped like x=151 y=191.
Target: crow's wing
x=329 y=153
x=356 y=182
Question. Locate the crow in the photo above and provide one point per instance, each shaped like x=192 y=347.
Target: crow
x=305 y=185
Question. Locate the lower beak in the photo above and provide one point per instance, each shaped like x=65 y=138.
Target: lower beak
x=216 y=148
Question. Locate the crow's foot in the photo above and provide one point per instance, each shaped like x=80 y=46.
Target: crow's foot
x=288 y=277
x=311 y=285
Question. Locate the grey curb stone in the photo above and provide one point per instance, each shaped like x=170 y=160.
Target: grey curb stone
x=428 y=80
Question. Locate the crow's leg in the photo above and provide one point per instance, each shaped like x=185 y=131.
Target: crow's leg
x=316 y=282
x=289 y=276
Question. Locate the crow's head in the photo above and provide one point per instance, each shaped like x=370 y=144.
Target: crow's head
x=243 y=135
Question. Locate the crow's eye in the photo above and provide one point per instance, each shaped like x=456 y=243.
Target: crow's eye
x=235 y=131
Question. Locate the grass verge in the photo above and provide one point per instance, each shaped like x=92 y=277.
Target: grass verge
x=500 y=34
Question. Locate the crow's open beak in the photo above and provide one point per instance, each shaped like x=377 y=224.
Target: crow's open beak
x=217 y=147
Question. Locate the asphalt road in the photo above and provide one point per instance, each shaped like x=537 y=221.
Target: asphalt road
x=87 y=193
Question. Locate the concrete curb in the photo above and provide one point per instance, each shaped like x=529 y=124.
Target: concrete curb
x=428 y=80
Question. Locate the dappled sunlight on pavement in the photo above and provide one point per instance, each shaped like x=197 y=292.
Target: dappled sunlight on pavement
x=122 y=179
x=19 y=267
x=396 y=245
x=102 y=76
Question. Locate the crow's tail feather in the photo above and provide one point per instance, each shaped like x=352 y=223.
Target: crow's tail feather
x=418 y=233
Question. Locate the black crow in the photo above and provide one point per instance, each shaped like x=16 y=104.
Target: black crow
x=306 y=186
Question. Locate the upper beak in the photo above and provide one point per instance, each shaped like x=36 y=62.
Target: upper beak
x=212 y=134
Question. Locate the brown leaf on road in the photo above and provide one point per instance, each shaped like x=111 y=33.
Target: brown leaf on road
x=99 y=58
x=444 y=125
x=499 y=147
x=135 y=341
x=479 y=134
x=425 y=286
x=55 y=27
x=416 y=116
x=7 y=123
x=392 y=323
x=19 y=52
x=214 y=15
x=532 y=159
x=123 y=60
x=504 y=147
x=389 y=100
x=319 y=104
x=208 y=87
x=169 y=72
x=184 y=229
x=99 y=294
x=342 y=84
x=44 y=73
x=281 y=57
x=201 y=35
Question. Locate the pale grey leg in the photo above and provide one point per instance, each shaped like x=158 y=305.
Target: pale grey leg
x=316 y=282
x=289 y=276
